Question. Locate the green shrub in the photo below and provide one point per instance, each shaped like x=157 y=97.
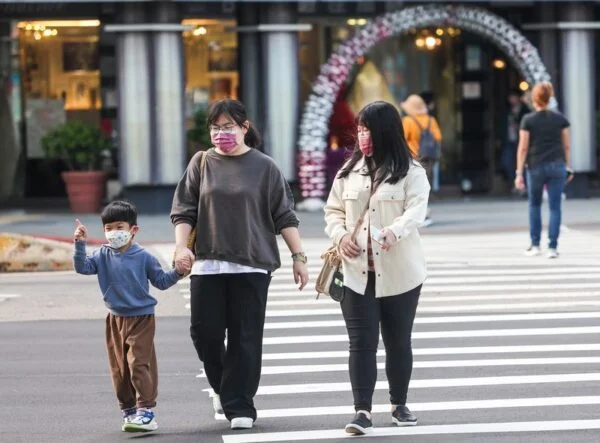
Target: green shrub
x=80 y=145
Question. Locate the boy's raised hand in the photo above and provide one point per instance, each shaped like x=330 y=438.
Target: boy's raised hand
x=81 y=231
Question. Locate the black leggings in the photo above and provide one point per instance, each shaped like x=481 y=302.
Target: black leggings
x=362 y=314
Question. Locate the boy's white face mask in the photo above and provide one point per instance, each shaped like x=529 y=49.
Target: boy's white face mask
x=118 y=239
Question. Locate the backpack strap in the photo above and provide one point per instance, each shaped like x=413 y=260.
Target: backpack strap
x=421 y=128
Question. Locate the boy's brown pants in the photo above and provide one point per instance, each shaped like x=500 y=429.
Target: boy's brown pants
x=132 y=360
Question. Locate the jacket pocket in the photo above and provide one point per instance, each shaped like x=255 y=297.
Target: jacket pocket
x=350 y=199
x=391 y=205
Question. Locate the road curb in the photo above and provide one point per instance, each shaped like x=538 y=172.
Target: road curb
x=23 y=253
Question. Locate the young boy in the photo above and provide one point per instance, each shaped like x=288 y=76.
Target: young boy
x=123 y=270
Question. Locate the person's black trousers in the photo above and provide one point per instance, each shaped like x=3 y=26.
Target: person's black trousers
x=363 y=314
x=236 y=303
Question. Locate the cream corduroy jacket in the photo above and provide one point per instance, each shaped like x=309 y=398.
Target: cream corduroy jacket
x=402 y=208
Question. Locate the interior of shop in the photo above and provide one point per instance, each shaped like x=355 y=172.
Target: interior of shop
x=458 y=75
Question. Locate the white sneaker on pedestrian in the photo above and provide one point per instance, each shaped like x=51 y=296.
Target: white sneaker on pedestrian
x=242 y=423
x=428 y=222
x=552 y=253
x=217 y=404
x=532 y=251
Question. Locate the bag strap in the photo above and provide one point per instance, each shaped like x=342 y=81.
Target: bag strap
x=360 y=220
x=202 y=161
x=421 y=128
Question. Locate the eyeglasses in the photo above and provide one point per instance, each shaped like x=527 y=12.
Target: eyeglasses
x=229 y=129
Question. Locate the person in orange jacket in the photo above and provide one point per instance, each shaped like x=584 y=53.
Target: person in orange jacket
x=416 y=120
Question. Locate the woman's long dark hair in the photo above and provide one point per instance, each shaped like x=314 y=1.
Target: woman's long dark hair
x=391 y=155
x=235 y=110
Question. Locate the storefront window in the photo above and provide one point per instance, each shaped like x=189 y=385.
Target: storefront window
x=211 y=62
x=60 y=76
x=60 y=61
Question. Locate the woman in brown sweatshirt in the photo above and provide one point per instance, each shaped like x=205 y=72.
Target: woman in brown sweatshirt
x=238 y=200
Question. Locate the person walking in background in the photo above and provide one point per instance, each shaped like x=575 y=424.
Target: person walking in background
x=429 y=99
x=545 y=149
x=123 y=269
x=238 y=200
x=423 y=136
x=384 y=266
x=511 y=125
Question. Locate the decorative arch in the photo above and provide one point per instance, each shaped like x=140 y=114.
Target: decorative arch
x=318 y=108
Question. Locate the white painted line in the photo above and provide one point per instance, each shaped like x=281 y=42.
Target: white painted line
x=297 y=300
x=509 y=287
x=443 y=351
x=514 y=278
x=319 y=310
x=456 y=405
x=309 y=388
x=432 y=281
x=468 y=428
x=549 y=272
x=7 y=296
x=443 y=320
x=523 y=332
x=507 y=306
x=343 y=367
x=431 y=294
x=425 y=297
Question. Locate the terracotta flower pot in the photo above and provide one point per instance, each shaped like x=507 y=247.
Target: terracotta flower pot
x=85 y=189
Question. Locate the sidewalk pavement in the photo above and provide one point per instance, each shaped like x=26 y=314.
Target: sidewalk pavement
x=458 y=216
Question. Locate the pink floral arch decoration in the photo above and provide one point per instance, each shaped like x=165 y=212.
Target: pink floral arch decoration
x=314 y=130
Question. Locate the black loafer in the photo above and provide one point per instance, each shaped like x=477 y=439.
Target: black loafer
x=360 y=425
x=403 y=417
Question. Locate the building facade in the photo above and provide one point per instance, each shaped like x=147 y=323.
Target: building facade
x=141 y=70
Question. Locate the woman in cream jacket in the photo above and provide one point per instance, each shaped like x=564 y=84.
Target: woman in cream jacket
x=384 y=268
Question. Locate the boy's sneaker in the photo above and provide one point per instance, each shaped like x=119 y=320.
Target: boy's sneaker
x=552 y=253
x=242 y=423
x=361 y=424
x=532 y=251
x=128 y=414
x=428 y=222
x=217 y=404
x=402 y=416
x=142 y=422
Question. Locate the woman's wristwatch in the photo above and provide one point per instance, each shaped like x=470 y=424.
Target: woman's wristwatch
x=299 y=257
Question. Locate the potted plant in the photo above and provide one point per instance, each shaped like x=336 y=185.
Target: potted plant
x=82 y=147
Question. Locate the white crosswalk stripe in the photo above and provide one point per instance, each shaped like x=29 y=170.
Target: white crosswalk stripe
x=499 y=341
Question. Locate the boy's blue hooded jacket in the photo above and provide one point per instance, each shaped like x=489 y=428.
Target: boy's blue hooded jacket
x=124 y=277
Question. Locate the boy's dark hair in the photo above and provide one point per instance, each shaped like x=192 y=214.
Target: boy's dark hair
x=119 y=211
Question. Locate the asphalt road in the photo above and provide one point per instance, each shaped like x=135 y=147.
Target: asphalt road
x=506 y=350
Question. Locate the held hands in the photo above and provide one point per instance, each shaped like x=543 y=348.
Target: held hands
x=184 y=259
x=81 y=231
x=300 y=274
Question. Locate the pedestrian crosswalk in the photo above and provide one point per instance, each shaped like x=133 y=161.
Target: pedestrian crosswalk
x=503 y=343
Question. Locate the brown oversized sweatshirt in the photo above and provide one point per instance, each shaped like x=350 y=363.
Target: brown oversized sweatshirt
x=238 y=205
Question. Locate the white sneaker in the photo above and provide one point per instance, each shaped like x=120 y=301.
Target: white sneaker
x=532 y=251
x=428 y=222
x=552 y=253
x=143 y=421
x=242 y=423
x=217 y=404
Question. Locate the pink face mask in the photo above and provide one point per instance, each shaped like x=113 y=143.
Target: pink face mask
x=365 y=144
x=225 y=142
